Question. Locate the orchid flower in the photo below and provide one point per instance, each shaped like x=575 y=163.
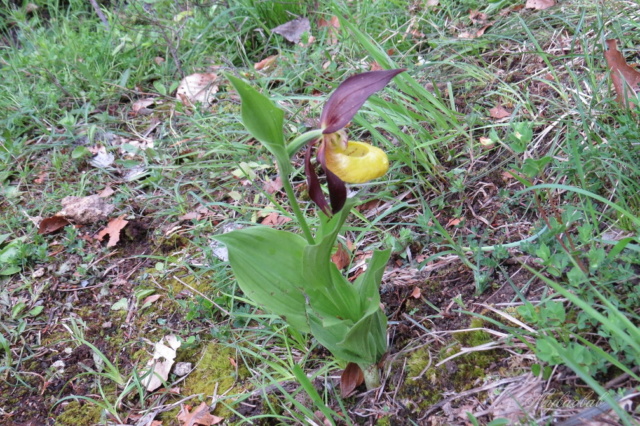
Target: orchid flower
x=344 y=161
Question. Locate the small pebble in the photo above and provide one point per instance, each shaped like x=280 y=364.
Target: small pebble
x=182 y=368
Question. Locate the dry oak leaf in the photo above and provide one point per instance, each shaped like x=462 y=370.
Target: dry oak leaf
x=113 y=230
x=626 y=79
x=106 y=192
x=42 y=177
x=539 y=4
x=292 y=31
x=341 y=257
x=333 y=25
x=198 y=87
x=199 y=416
x=498 y=112
x=453 y=222
x=190 y=216
x=52 y=224
x=140 y=106
x=416 y=293
x=275 y=219
x=266 y=63
x=476 y=34
x=273 y=186
x=508 y=10
x=477 y=17
x=351 y=378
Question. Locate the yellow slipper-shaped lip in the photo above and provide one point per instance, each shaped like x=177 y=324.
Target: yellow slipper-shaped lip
x=359 y=162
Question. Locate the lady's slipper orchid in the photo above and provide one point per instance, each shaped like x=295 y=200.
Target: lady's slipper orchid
x=345 y=161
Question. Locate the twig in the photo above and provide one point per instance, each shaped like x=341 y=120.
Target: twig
x=103 y=18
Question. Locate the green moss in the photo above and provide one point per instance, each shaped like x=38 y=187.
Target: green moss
x=76 y=413
x=459 y=374
x=213 y=370
x=275 y=404
x=176 y=285
x=172 y=243
x=473 y=338
x=384 y=421
x=214 y=373
x=425 y=388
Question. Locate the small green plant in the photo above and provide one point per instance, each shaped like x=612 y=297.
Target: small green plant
x=293 y=276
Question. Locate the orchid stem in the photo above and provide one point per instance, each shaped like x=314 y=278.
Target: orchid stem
x=293 y=202
x=371 y=376
x=295 y=145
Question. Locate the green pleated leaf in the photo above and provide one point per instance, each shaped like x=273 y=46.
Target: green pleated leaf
x=368 y=284
x=328 y=290
x=267 y=264
x=368 y=337
x=329 y=333
x=262 y=119
x=364 y=342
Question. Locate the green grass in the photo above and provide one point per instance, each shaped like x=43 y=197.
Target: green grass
x=563 y=167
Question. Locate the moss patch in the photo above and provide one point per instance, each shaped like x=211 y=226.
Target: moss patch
x=459 y=374
x=76 y=413
x=214 y=373
x=214 y=368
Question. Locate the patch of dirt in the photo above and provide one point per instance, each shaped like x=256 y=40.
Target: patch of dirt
x=51 y=366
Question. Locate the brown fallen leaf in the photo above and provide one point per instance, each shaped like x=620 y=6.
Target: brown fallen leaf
x=481 y=31
x=539 y=4
x=52 y=224
x=199 y=416
x=498 y=112
x=106 y=192
x=351 y=378
x=341 y=257
x=506 y=11
x=453 y=222
x=275 y=219
x=142 y=104
x=42 y=177
x=190 y=216
x=266 y=63
x=292 y=31
x=333 y=26
x=477 y=17
x=113 y=230
x=416 y=293
x=151 y=299
x=198 y=87
x=273 y=186
x=626 y=79
x=476 y=34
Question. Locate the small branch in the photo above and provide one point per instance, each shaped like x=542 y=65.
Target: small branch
x=103 y=18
